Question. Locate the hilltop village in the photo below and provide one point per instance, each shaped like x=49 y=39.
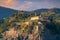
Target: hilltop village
x=32 y=26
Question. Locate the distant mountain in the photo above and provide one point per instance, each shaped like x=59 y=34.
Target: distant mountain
x=5 y=12
x=56 y=10
x=40 y=10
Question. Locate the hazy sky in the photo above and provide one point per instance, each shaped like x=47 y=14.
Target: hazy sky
x=30 y=4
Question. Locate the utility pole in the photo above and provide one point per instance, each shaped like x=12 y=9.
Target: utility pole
x=35 y=13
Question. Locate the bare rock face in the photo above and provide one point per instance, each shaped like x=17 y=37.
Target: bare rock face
x=24 y=33
x=32 y=32
x=11 y=33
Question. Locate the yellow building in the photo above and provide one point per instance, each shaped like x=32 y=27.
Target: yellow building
x=35 y=18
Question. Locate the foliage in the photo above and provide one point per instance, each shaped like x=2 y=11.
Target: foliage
x=4 y=25
x=56 y=24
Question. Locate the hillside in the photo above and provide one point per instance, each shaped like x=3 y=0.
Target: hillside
x=5 y=12
x=39 y=24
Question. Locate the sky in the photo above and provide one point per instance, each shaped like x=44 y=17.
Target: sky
x=30 y=5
